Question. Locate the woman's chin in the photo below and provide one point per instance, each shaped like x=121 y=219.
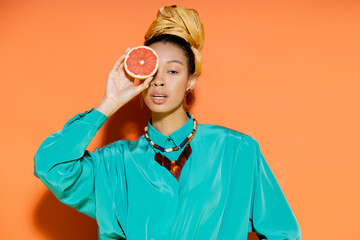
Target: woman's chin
x=160 y=110
x=163 y=108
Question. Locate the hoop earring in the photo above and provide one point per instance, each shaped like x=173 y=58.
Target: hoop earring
x=189 y=99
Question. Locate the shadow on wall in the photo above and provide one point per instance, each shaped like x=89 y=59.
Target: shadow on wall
x=127 y=123
x=55 y=220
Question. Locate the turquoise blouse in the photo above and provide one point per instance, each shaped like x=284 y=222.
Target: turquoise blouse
x=226 y=189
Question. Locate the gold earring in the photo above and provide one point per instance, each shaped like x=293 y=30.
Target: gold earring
x=189 y=99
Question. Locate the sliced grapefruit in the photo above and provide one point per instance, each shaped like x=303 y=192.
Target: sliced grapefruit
x=141 y=62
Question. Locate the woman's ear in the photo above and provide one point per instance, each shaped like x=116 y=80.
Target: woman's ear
x=192 y=81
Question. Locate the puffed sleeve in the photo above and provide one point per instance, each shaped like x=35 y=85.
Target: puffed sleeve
x=271 y=215
x=65 y=167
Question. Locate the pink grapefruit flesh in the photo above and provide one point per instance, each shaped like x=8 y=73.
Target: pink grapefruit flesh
x=141 y=62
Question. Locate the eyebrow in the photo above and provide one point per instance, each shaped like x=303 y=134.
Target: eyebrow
x=175 y=61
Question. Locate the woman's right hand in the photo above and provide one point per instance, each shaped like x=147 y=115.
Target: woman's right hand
x=120 y=88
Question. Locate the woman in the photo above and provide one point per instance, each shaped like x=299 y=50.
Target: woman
x=180 y=180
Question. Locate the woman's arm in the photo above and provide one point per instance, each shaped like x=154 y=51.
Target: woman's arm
x=64 y=165
x=272 y=216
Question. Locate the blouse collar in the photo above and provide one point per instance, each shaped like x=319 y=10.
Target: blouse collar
x=176 y=137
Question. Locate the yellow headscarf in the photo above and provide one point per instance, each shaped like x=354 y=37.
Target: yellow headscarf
x=182 y=22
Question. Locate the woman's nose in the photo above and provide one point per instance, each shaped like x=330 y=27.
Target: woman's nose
x=158 y=81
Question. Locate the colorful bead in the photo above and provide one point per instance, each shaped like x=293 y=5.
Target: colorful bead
x=172 y=149
x=174 y=167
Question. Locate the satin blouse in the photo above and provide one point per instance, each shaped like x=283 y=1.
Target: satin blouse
x=226 y=189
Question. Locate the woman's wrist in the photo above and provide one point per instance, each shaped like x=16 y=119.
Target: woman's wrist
x=107 y=106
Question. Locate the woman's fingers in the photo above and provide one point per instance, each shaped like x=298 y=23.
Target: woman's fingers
x=141 y=87
x=120 y=60
x=117 y=71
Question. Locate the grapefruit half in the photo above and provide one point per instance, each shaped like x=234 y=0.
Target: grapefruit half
x=141 y=62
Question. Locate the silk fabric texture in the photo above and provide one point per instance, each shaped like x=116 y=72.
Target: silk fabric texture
x=182 y=22
x=226 y=188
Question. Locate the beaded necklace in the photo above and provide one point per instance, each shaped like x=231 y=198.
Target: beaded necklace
x=174 y=167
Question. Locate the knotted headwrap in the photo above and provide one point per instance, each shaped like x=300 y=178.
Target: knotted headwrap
x=182 y=22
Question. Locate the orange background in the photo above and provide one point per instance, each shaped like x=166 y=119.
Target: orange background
x=285 y=73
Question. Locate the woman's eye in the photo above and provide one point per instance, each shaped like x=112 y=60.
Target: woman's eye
x=173 y=72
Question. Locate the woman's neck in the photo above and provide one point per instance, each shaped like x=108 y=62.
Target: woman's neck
x=167 y=123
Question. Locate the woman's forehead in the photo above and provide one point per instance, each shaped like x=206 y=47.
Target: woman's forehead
x=169 y=52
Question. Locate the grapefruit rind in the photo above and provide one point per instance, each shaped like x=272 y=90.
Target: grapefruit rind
x=131 y=68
